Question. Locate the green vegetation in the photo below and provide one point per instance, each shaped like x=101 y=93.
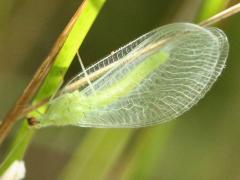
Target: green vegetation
x=203 y=144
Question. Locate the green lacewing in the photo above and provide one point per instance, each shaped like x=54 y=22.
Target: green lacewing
x=155 y=79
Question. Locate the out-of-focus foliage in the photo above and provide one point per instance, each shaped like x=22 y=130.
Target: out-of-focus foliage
x=203 y=144
x=210 y=8
x=103 y=147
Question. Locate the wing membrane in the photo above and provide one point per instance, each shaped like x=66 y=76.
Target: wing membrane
x=195 y=62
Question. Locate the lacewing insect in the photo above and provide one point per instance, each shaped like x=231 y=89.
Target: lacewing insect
x=153 y=79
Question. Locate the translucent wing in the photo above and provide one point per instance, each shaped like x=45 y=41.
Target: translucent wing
x=114 y=57
x=195 y=62
x=196 y=57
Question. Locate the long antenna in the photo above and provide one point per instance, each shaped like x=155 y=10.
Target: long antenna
x=222 y=15
x=214 y=19
x=85 y=72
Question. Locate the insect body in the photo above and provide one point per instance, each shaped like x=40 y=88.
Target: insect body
x=155 y=79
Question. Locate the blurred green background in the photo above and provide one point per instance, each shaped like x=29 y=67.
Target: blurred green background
x=201 y=144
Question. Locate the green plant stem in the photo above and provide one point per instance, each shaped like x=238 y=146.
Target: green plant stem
x=62 y=55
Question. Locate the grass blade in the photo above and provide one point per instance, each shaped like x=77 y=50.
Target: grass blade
x=96 y=154
x=88 y=12
x=145 y=155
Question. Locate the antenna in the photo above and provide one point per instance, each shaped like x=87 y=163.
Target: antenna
x=85 y=72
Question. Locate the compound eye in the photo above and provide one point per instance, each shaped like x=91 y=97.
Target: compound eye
x=32 y=121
